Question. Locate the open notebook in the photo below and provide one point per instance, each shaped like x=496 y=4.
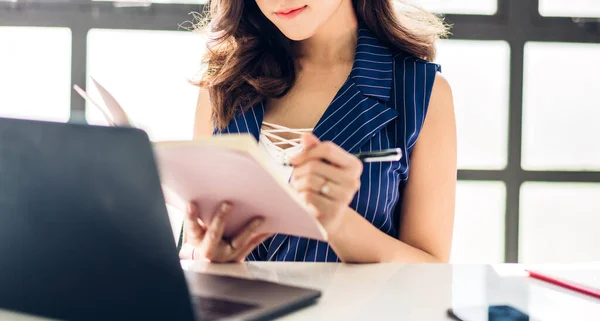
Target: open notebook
x=219 y=168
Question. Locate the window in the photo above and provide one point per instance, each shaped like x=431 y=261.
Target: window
x=142 y=2
x=36 y=73
x=148 y=73
x=478 y=74
x=481 y=7
x=570 y=8
x=560 y=110
x=559 y=223
x=479 y=223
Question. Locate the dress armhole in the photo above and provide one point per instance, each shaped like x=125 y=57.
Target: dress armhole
x=414 y=85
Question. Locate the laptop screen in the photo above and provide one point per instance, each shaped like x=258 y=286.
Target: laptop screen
x=84 y=232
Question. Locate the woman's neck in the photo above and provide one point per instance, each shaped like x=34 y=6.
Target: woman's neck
x=334 y=42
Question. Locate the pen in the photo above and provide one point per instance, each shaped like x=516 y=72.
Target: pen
x=386 y=155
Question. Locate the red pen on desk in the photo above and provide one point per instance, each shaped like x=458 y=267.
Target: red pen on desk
x=588 y=290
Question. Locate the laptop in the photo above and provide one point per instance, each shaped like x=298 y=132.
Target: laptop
x=85 y=234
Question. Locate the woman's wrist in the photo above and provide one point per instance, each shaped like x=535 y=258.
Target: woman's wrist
x=348 y=239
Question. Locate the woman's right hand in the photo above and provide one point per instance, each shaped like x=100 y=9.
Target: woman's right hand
x=206 y=243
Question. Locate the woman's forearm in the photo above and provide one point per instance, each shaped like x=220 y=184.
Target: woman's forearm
x=358 y=241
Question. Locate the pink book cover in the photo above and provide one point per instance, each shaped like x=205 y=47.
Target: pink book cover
x=223 y=168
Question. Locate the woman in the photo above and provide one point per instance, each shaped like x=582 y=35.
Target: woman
x=316 y=81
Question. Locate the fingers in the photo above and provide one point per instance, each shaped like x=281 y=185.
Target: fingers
x=250 y=246
x=330 y=152
x=320 y=204
x=207 y=242
x=309 y=140
x=320 y=185
x=249 y=230
x=186 y=252
x=194 y=232
x=319 y=168
x=215 y=230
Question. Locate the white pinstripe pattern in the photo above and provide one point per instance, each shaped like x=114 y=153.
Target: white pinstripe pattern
x=274 y=253
x=373 y=46
x=335 y=111
x=357 y=199
x=396 y=182
x=374 y=130
x=414 y=103
x=381 y=96
x=255 y=119
x=296 y=251
x=371 y=86
x=278 y=246
x=236 y=125
x=370 y=170
x=372 y=54
x=406 y=159
x=372 y=78
x=257 y=250
x=370 y=69
x=424 y=97
x=387 y=183
x=351 y=123
x=378 y=186
x=366 y=37
x=395 y=196
x=245 y=121
x=297 y=246
x=344 y=117
x=375 y=62
x=288 y=248
x=306 y=251
x=336 y=99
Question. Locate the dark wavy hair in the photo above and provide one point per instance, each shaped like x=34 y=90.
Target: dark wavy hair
x=248 y=59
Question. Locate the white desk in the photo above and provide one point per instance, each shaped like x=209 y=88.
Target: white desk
x=414 y=292
x=407 y=292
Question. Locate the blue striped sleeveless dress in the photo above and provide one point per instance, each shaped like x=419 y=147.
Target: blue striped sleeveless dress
x=382 y=105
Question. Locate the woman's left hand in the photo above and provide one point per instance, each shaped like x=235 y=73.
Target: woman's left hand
x=327 y=177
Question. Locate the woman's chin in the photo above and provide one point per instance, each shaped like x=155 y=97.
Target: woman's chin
x=297 y=34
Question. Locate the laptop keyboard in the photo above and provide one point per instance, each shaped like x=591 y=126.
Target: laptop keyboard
x=212 y=309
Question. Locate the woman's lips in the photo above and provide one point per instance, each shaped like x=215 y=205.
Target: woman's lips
x=290 y=13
